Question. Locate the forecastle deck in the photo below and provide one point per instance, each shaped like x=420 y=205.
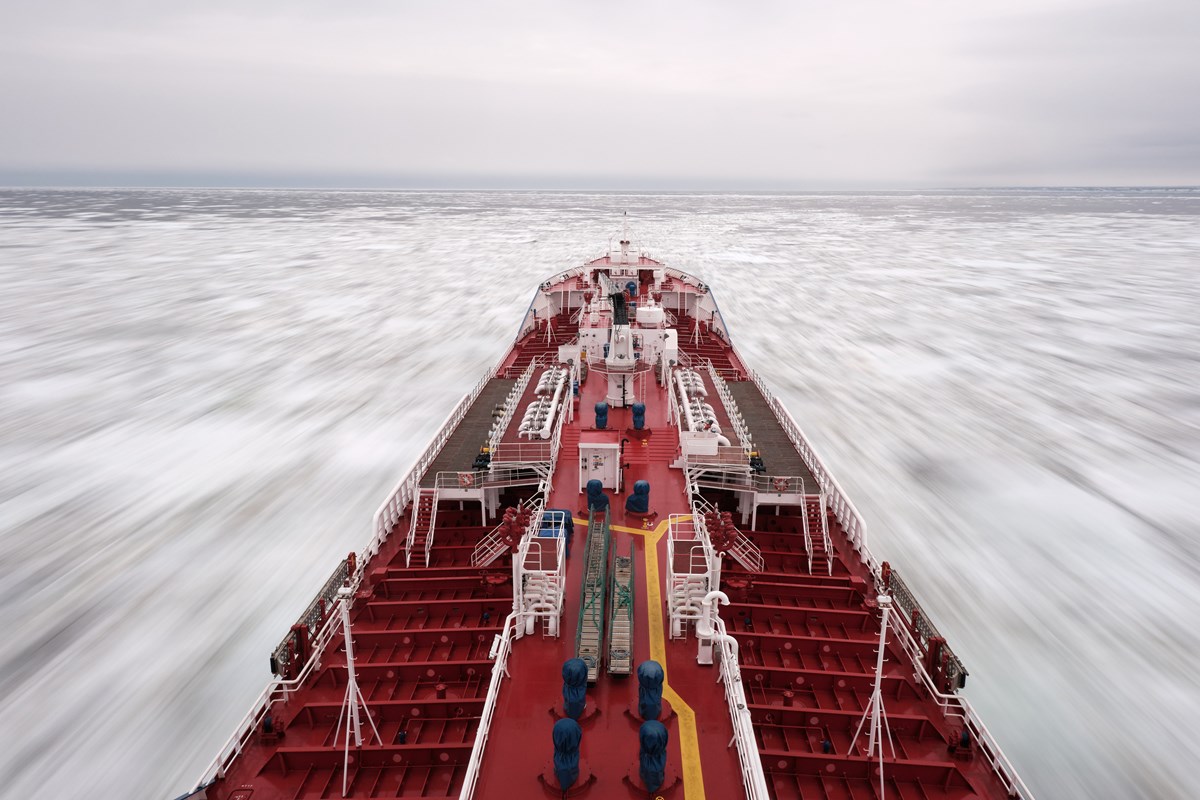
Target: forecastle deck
x=452 y=723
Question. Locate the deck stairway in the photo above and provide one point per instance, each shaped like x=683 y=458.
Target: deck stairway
x=816 y=517
x=423 y=522
x=491 y=547
x=590 y=632
x=745 y=552
x=421 y=641
x=741 y=549
x=807 y=646
x=620 y=626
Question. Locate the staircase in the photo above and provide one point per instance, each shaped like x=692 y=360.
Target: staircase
x=746 y=553
x=490 y=547
x=742 y=548
x=590 y=631
x=816 y=518
x=501 y=539
x=620 y=628
x=424 y=519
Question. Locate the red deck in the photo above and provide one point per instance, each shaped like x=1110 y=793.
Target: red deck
x=422 y=636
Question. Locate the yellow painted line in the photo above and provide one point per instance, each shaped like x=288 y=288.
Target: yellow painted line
x=689 y=741
x=638 y=531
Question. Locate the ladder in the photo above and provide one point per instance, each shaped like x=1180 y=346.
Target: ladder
x=590 y=632
x=743 y=550
x=816 y=518
x=424 y=517
x=492 y=546
x=620 y=627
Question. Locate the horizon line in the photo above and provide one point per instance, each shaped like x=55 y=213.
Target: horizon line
x=60 y=178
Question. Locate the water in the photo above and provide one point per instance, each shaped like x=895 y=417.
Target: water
x=207 y=394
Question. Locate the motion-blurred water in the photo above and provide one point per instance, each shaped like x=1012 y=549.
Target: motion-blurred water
x=206 y=394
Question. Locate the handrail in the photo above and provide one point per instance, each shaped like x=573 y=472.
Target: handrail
x=393 y=507
x=845 y=511
x=275 y=691
x=999 y=762
x=825 y=540
x=731 y=407
x=730 y=674
x=501 y=647
x=856 y=531
x=315 y=617
x=511 y=401
x=461 y=479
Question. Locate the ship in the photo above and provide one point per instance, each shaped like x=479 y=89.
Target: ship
x=619 y=569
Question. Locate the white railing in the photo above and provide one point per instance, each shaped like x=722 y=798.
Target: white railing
x=856 y=531
x=739 y=480
x=501 y=647
x=730 y=674
x=953 y=705
x=843 y=509
x=412 y=525
x=432 y=526
x=523 y=453
x=808 y=545
x=565 y=410
x=511 y=402
x=825 y=537
x=461 y=479
x=276 y=691
x=731 y=408
x=400 y=497
x=686 y=587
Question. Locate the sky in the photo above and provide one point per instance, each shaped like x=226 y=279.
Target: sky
x=762 y=95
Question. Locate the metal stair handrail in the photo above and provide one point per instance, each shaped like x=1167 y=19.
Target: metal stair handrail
x=501 y=647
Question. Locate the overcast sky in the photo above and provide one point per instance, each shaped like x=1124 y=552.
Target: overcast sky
x=587 y=94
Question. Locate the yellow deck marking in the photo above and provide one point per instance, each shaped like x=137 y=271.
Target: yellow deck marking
x=689 y=742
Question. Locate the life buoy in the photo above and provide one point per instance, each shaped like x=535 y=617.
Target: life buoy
x=781 y=484
x=466 y=479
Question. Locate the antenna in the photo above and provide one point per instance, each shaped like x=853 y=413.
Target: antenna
x=874 y=709
x=625 y=237
x=354 y=696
